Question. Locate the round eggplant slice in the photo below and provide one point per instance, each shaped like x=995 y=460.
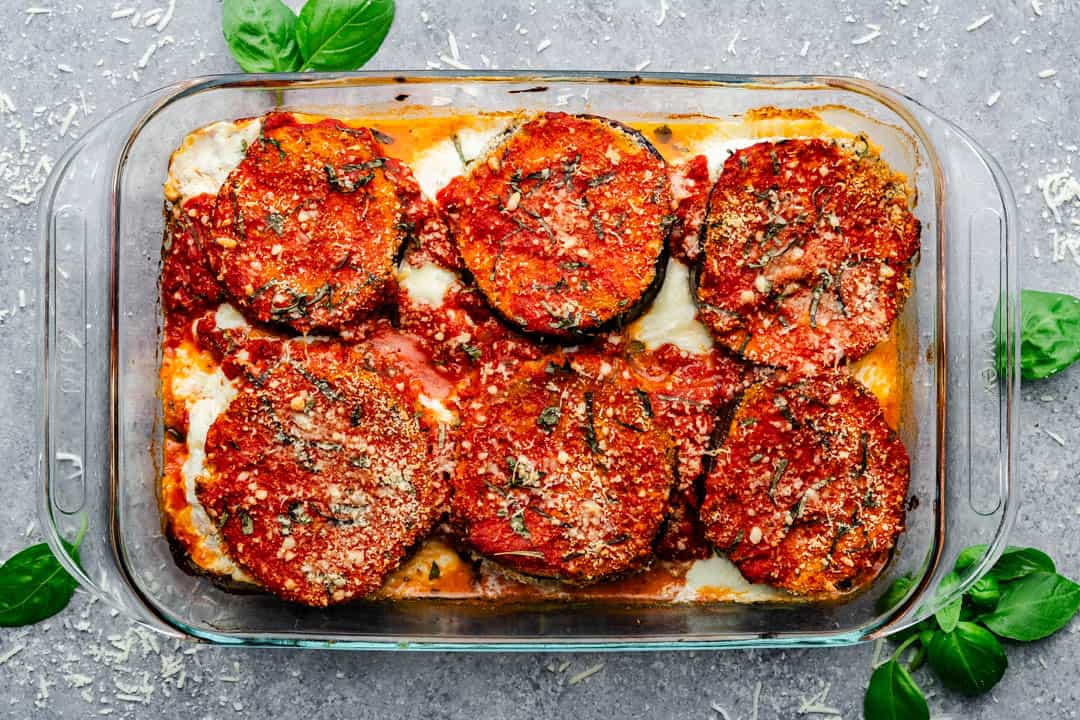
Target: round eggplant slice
x=808 y=247
x=808 y=491
x=319 y=479
x=563 y=225
x=306 y=229
x=562 y=474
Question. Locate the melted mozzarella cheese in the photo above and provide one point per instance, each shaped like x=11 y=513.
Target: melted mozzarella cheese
x=437 y=410
x=672 y=318
x=426 y=284
x=206 y=394
x=228 y=317
x=442 y=162
x=717 y=578
x=207 y=156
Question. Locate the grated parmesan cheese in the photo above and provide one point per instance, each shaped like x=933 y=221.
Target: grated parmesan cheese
x=720 y=711
x=1047 y=73
x=452 y=42
x=1058 y=189
x=454 y=63
x=663 y=13
x=994 y=97
x=980 y=22
x=815 y=704
x=167 y=17
x=586 y=674
x=68 y=119
x=875 y=32
x=1055 y=437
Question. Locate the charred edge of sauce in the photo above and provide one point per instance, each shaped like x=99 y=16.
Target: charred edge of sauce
x=631 y=80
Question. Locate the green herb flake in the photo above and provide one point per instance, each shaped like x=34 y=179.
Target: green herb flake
x=517 y=523
x=603 y=179
x=590 y=426
x=549 y=418
x=275 y=222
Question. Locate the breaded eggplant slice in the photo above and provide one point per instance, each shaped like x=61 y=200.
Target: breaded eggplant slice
x=808 y=247
x=319 y=479
x=562 y=474
x=808 y=490
x=306 y=229
x=563 y=225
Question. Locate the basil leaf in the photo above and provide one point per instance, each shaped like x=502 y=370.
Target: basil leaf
x=969 y=556
x=895 y=594
x=342 y=34
x=969 y=659
x=893 y=695
x=1033 y=607
x=261 y=34
x=34 y=586
x=948 y=616
x=1049 y=334
x=985 y=592
x=1015 y=562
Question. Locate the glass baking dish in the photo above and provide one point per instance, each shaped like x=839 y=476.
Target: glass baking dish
x=99 y=413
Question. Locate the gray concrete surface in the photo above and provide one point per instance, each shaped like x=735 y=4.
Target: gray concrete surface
x=61 y=57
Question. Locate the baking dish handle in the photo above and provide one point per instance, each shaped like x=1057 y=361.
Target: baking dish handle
x=74 y=267
x=979 y=388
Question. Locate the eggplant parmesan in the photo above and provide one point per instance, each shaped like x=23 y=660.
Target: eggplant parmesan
x=807 y=250
x=809 y=487
x=318 y=478
x=563 y=472
x=562 y=224
x=305 y=230
x=510 y=466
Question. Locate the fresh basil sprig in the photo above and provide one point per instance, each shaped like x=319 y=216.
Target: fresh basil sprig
x=1049 y=334
x=34 y=585
x=1021 y=598
x=893 y=694
x=265 y=35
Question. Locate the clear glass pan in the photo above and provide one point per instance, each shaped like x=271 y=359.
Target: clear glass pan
x=99 y=418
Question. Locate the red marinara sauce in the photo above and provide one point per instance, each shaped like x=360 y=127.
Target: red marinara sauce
x=686 y=392
x=187 y=283
x=690 y=189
